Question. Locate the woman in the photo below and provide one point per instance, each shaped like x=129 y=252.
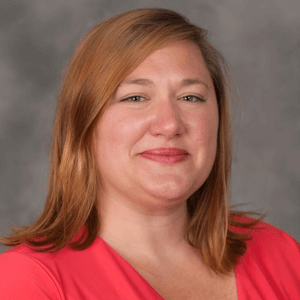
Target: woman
x=137 y=206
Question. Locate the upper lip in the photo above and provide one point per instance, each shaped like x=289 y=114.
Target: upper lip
x=166 y=151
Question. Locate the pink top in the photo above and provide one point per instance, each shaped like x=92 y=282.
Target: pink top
x=270 y=269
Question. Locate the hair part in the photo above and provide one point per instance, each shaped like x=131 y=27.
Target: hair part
x=109 y=52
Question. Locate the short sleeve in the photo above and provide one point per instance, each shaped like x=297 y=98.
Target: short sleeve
x=24 y=278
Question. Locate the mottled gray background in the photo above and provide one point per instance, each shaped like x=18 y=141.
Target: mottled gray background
x=260 y=40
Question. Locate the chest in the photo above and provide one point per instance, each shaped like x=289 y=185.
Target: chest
x=191 y=284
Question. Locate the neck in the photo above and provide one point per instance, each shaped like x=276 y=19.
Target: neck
x=140 y=234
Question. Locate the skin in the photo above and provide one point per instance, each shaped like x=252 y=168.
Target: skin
x=143 y=202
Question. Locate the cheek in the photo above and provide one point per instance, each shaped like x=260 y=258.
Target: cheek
x=206 y=129
x=205 y=145
x=117 y=130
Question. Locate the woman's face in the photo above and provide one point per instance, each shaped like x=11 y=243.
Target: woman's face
x=168 y=101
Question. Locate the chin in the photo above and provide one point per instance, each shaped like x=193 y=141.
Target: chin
x=171 y=193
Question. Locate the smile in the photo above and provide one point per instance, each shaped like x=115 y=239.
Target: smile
x=166 y=155
x=165 y=159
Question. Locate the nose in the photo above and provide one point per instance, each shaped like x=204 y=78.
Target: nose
x=167 y=119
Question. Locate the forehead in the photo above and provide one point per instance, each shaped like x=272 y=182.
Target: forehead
x=180 y=59
x=191 y=50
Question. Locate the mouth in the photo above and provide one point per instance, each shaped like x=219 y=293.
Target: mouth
x=166 y=155
x=165 y=151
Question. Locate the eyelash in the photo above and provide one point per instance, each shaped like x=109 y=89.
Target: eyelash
x=127 y=99
x=198 y=99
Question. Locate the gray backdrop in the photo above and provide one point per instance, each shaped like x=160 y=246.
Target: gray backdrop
x=260 y=40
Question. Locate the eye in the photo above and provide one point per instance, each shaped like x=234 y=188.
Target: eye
x=193 y=98
x=134 y=99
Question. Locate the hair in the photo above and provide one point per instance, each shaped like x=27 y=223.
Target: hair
x=108 y=53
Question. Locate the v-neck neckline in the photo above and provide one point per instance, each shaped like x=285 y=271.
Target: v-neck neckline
x=143 y=279
x=111 y=249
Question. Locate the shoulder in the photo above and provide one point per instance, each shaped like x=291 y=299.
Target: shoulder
x=271 y=262
x=29 y=274
x=24 y=277
x=268 y=240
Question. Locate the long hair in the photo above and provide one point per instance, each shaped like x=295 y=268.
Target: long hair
x=109 y=52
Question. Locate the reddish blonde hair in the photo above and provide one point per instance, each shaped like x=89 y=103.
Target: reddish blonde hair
x=109 y=52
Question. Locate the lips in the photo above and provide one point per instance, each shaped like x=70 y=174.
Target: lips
x=166 y=151
x=166 y=155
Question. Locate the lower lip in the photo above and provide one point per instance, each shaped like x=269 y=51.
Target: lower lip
x=165 y=159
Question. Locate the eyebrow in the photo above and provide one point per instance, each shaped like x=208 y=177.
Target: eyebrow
x=191 y=81
x=148 y=82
